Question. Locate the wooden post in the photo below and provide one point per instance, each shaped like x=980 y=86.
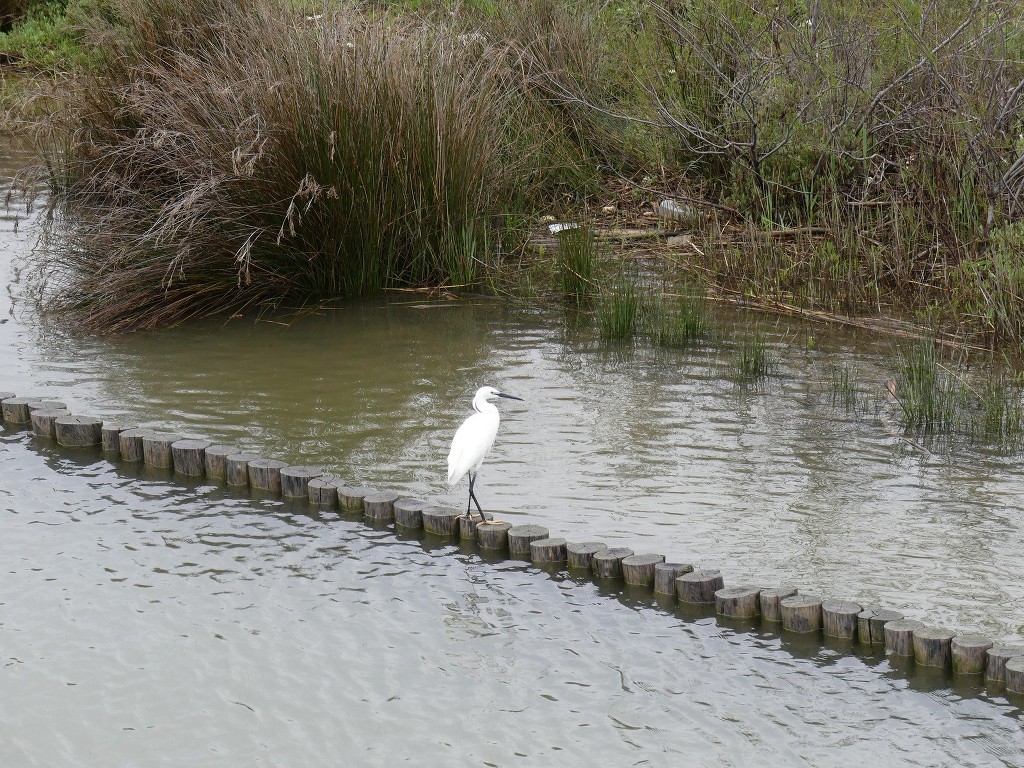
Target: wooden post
x=932 y=647
x=771 y=602
x=110 y=436
x=493 y=536
x=1015 y=675
x=968 y=652
x=440 y=521
x=839 y=618
x=351 y=499
x=5 y=396
x=699 y=586
x=380 y=506
x=295 y=481
x=737 y=602
x=469 y=523
x=996 y=658
x=607 y=564
x=46 y=405
x=44 y=421
x=899 y=636
x=130 y=443
x=801 y=613
x=265 y=474
x=547 y=551
x=215 y=460
x=15 y=410
x=877 y=623
x=189 y=457
x=665 y=575
x=520 y=536
x=78 y=431
x=409 y=513
x=323 y=490
x=156 y=449
x=639 y=569
x=236 y=468
x=580 y=554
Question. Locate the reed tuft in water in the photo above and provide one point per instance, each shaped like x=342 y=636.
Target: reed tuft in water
x=619 y=311
x=223 y=155
x=754 y=360
x=578 y=263
x=682 y=321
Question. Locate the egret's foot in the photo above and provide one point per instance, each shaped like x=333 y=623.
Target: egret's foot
x=492 y=521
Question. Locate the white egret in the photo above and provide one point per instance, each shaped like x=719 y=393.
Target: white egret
x=473 y=441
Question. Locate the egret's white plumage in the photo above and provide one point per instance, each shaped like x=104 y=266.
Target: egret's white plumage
x=473 y=441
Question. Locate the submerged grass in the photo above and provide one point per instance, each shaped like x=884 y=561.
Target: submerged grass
x=754 y=360
x=683 y=320
x=619 y=311
x=578 y=263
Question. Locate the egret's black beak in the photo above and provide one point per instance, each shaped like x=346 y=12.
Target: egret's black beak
x=510 y=397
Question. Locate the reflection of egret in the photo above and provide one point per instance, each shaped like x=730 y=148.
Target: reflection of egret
x=473 y=441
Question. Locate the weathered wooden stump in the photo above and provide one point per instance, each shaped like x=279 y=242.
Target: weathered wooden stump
x=215 y=461
x=409 y=513
x=493 y=536
x=969 y=652
x=547 y=551
x=839 y=618
x=351 y=499
x=580 y=554
x=323 y=490
x=44 y=421
x=996 y=658
x=665 y=575
x=78 y=431
x=520 y=536
x=738 y=602
x=699 y=586
x=265 y=474
x=46 y=405
x=801 y=613
x=236 y=468
x=899 y=636
x=380 y=506
x=189 y=457
x=864 y=626
x=295 y=481
x=156 y=448
x=607 y=564
x=770 y=601
x=1015 y=675
x=639 y=569
x=440 y=521
x=877 y=622
x=110 y=436
x=5 y=396
x=15 y=410
x=932 y=647
x=130 y=443
x=469 y=523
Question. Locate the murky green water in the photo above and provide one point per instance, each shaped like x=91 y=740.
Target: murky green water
x=143 y=622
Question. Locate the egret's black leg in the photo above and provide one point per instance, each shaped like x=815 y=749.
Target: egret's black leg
x=472 y=497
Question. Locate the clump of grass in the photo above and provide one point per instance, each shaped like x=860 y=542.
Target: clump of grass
x=619 y=311
x=929 y=396
x=682 y=321
x=845 y=392
x=754 y=360
x=1001 y=412
x=578 y=263
x=226 y=155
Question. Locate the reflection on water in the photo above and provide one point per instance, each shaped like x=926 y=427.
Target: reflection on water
x=136 y=610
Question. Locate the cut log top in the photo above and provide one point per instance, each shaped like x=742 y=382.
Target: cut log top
x=268 y=464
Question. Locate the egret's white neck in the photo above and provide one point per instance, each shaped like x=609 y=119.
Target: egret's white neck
x=483 y=405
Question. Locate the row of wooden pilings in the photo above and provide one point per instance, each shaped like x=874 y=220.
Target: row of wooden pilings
x=793 y=611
